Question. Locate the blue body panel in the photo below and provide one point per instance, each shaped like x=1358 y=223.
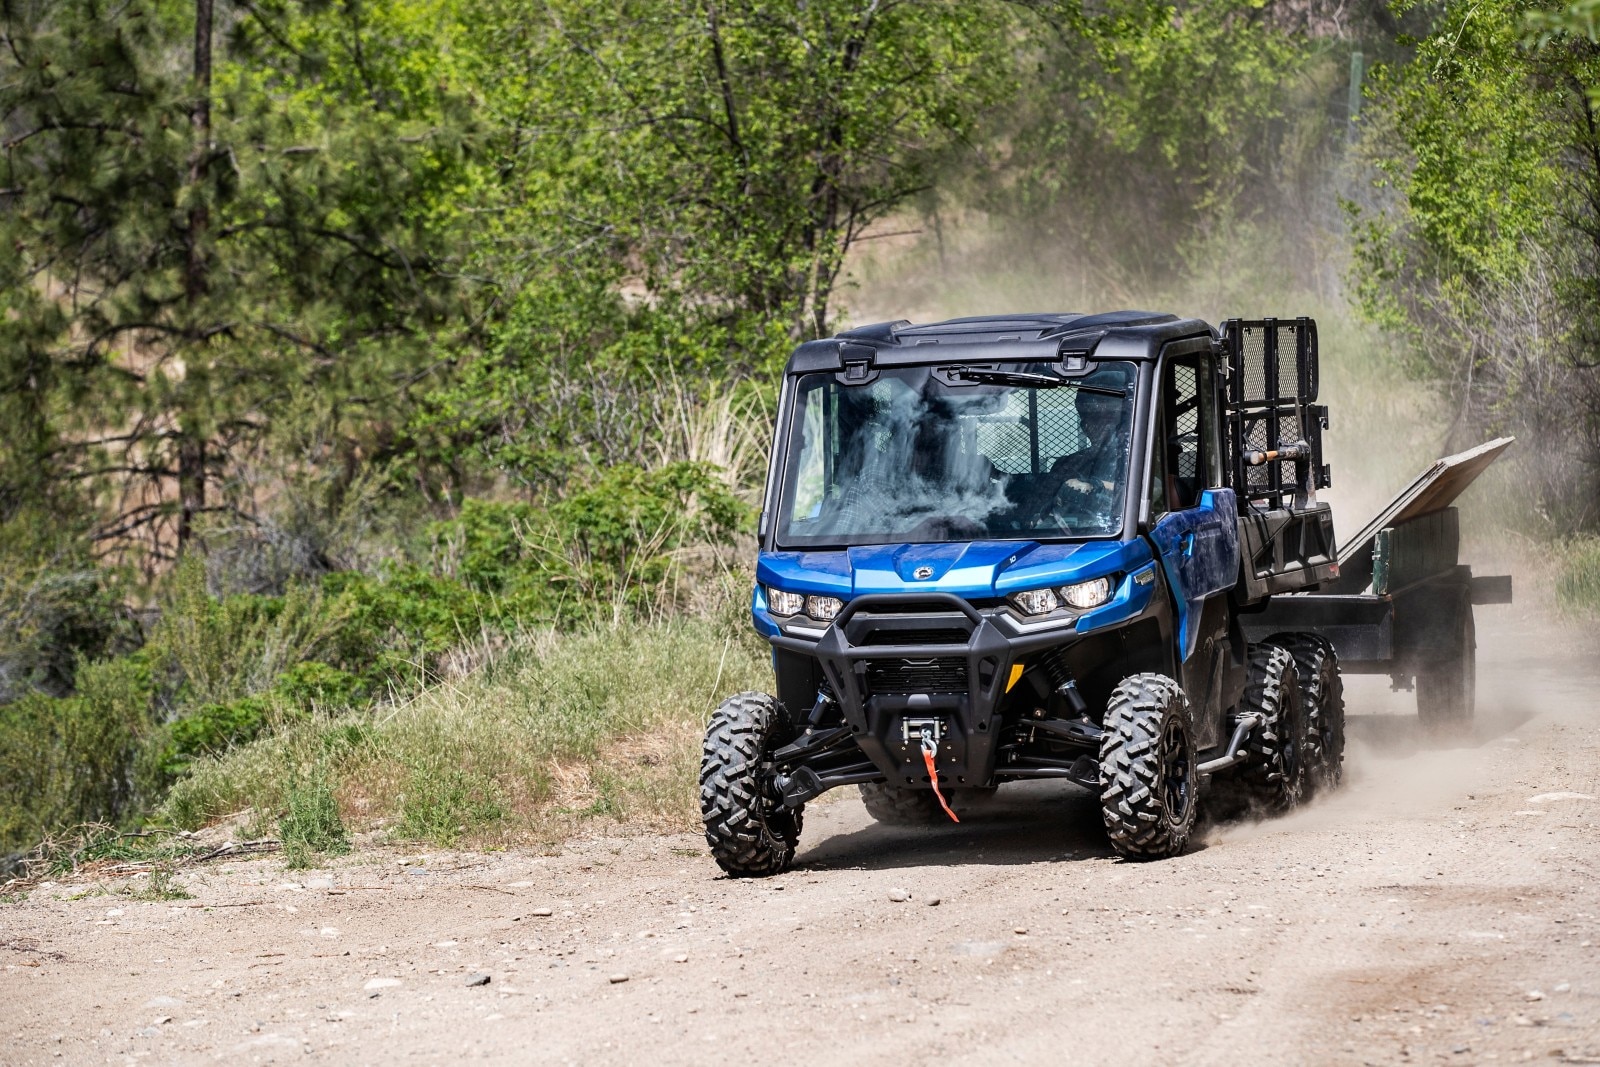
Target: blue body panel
x=1199 y=549
x=973 y=570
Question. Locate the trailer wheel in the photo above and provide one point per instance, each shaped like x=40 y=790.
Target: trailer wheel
x=750 y=834
x=1274 y=775
x=1322 y=691
x=1447 y=689
x=1148 y=781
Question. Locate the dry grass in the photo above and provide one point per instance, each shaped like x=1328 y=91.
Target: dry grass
x=557 y=732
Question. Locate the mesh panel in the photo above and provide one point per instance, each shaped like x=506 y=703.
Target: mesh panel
x=1059 y=431
x=1003 y=436
x=1256 y=440
x=1253 y=381
x=1186 y=424
x=1288 y=434
x=1267 y=403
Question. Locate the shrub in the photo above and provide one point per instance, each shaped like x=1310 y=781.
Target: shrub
x=312 y=826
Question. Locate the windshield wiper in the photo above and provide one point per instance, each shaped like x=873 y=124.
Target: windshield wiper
x=1025 y=379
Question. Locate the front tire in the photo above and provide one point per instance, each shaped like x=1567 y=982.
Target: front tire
x=750 y=834
x=1148 y=782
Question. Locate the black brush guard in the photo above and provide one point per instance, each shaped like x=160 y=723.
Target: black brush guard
x=902 y=665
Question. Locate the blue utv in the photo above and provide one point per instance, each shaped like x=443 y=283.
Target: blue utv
x=1044 y=546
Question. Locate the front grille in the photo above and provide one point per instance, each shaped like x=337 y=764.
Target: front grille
x=926 y=636
x=942 y=674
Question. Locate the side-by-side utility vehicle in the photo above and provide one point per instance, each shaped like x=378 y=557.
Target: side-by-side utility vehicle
x=1076 y=547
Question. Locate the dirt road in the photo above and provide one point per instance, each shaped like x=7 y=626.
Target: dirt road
x=1444 y=907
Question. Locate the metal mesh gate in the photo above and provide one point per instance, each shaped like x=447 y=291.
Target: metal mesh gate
x=1272 y=389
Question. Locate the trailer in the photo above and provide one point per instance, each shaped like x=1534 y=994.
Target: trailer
x=1401 y=603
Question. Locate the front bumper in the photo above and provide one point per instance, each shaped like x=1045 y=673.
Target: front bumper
x=904 y=665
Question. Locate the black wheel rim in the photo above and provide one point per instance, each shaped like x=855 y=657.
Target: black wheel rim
x=1175 y=784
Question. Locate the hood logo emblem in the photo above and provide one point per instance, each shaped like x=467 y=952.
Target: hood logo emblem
x=922 y=572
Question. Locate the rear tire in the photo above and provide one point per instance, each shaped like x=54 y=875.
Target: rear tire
x=1148 y=783
x=1447 y=689
x=895 y=805
x=1274 y=776
x=898 y=806
x=1322 y=692
x=751 y=835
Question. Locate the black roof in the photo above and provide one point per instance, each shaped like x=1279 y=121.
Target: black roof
x=991 y=338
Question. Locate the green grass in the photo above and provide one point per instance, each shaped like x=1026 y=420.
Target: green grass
x=96 y=845
x=559 y=730
x=161 y=885
x=312 y=827
x=1578 y=579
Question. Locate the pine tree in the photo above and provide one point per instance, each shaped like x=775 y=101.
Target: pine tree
x=217 y=239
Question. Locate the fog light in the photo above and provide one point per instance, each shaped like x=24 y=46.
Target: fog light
x=1035 y=601
x=782 y=603
x=823 y=608
x=1090 y=594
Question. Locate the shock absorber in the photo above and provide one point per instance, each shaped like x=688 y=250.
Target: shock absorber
x=1055 y=667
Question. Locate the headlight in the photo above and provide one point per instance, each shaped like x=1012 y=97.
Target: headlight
x=782 y=603
x=1090 y=594
x=1035 y=601
x=823 y=608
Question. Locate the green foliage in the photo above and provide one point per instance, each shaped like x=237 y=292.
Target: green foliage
x=1152 y=122
x=312 y=827
x=213 y=728
x=239 y=645
x=193 y=254
x=1480 y=240
x=56 y=605
x=71 y=760
x=668 y=194
x=505 y=750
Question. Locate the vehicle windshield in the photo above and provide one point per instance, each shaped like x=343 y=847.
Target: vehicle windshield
x=956 y=453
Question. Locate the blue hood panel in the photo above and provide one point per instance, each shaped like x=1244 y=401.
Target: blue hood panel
x=974 y=570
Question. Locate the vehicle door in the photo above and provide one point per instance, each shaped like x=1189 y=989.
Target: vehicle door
x=1193 y=516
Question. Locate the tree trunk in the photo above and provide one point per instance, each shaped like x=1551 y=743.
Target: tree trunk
x=192 y=442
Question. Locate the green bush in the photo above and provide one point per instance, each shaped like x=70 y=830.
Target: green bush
x=223 y=648
x=440 y=804
x=70 y=760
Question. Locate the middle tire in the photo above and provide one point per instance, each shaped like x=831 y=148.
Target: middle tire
x=1148 y=781
x=1274 y=778
x=1322 y=691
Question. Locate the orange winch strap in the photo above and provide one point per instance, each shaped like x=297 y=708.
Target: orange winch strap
x=933 y=779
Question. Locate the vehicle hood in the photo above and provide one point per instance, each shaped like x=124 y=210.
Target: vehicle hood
x=971 y=569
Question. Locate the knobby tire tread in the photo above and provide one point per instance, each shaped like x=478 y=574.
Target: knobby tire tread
x=1132 y=796
x=1322 y=692
x=748 y=836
